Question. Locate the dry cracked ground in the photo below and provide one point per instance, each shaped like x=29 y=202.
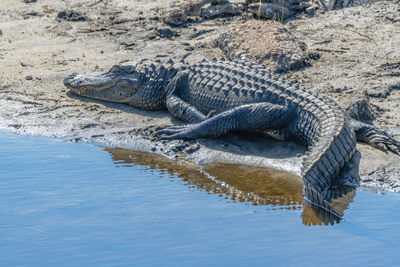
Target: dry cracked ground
x=349 y=54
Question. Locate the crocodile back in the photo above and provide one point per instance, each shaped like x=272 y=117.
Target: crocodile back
x=221 y=85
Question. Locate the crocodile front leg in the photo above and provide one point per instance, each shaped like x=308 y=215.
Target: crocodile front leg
x=184 y=111
x=178 y=107
x=257 y=116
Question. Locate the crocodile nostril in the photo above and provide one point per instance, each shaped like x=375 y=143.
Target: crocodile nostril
x=69 y=78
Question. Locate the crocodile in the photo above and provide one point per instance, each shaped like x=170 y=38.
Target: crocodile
x=219 y=96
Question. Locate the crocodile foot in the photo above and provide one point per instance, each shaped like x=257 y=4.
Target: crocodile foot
x=384 y=141
x=375 y=136
x=189 y=131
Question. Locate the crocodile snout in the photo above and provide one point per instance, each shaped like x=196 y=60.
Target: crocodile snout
x=70 y=80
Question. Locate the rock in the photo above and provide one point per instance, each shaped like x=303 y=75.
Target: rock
x=337 y=4
x=222 y=10
x=270 y=11
x=194 y=8
x=361 y=110
x=180 y=16
x=70 y=15
x=217 y=8
x=309 y=6
x=175 y=18
x=265 y=9
x=378 y=91
x=166 y=33
x=218 y=2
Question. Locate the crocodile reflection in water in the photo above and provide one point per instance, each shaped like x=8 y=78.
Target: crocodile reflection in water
x=259 y=186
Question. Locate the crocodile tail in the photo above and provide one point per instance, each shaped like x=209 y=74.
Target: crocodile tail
x=315 y=198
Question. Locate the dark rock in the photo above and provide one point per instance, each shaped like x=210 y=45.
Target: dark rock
x=71 y=15
x=189 y=48
x=218 y=2
x=395 y=87
x=192 y=148
x=166 y=33
x=378 y=92
x=314 y=55
x=361 y=110
x=201 y=32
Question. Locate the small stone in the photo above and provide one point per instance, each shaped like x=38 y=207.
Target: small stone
x=175 y=18
x=165 y=33
x=70 y=15
x=221 y=10
x=189 y=48
x=218 y=2
x=270 y=11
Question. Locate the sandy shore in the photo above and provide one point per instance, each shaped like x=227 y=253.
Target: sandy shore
x=358 y=52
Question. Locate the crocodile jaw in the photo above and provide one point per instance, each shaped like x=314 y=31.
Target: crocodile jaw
x=115 y=85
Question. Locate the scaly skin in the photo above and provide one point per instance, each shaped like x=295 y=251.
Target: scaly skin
x=216 y=97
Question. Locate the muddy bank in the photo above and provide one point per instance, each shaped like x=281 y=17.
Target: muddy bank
x=350 y=54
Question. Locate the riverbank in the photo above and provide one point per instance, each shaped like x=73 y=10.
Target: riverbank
x=350 y=54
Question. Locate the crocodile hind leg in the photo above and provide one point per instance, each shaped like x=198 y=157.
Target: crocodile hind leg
x=375 y=136
x=251 y=116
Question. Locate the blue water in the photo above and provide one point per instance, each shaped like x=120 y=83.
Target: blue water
x=68 y=204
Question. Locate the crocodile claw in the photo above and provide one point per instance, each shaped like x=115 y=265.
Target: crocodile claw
x=393 y=146
x=190 y=131
x=386 y=142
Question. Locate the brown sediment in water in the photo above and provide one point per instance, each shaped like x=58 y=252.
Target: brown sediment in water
x=260 y=186
x=256 y=185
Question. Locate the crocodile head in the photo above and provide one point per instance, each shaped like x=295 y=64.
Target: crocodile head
x=119 y=84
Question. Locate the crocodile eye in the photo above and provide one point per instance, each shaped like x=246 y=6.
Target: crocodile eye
x=115 y=68
x=127 y=87
x=124 y=85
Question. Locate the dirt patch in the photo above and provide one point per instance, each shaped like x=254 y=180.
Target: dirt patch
x=266 y=42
